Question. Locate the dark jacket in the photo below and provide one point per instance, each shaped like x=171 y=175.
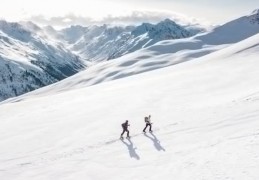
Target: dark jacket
x=125 y=125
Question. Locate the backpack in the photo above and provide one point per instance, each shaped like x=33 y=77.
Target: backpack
x=146 y=119
x=124 y=125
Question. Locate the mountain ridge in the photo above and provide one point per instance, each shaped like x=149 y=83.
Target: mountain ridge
x=53 y=55
x=123 y=40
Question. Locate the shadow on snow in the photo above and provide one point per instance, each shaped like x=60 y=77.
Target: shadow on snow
x=131 y=149
x=156 y=142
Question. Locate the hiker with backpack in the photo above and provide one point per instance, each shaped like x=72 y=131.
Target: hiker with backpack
x=125 y=128
x=148 y=124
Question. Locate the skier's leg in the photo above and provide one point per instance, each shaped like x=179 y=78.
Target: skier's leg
x=127 y=133
x=145 y=128
x=150 y=127
x=122 y=132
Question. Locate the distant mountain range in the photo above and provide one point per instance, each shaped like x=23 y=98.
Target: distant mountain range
x=162 y=54
x=99 y=43
x=32 y=57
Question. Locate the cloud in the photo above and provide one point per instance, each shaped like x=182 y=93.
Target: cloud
x=136 y=17
x=61 y=21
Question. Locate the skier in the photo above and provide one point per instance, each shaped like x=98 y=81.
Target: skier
x=148 y=123
x=125 y=129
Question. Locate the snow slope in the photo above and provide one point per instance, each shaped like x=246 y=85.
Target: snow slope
x=205 y=115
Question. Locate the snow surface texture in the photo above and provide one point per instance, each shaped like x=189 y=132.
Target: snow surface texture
x=205 y=119
x=29 y=60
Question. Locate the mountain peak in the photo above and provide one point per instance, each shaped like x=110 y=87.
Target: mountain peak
x=30 y=26
x=165 y=26
x=15 y=30
x=254 y=17
x=168 y=21
x=255 y=12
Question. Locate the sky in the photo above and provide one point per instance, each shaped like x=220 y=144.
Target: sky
x=86 y=12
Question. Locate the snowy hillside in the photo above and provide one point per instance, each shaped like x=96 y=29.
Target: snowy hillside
x=205 y=119
x=29 y=59
x=161 y=54
x=99 y=43
x=234 y=31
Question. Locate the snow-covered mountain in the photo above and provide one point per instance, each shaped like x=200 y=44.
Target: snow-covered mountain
x=99 y=43
x=49 y=54
x=32 y=57
x=29 y=59
x=162 y=54
x=204 y=112
x=233 y=31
